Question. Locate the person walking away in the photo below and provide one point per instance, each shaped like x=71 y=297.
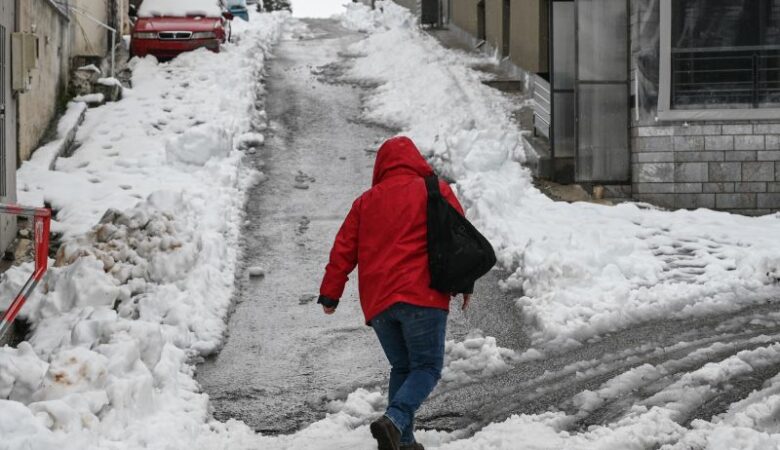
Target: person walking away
x=385 y=235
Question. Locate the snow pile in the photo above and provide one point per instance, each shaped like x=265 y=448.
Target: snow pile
x=21 y=372
x=585 y=269
x=317 y=8
x=198 y=145
x=179 y=8
x=91 y=99
x=476 y=356
x=250 y=140
x=150 y=205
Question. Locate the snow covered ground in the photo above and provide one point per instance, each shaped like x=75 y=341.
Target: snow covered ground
x=141 y=290
x=585 y=269
x=150 y=205
x=318 y=8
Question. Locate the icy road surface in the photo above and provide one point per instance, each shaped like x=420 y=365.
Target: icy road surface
x=283 y=355
x=284 y=359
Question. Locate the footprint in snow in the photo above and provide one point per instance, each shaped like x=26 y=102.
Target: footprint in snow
x=126 y=187
x=302 y=180
x=94 y=180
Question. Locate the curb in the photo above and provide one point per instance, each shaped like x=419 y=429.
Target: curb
x=46 y=155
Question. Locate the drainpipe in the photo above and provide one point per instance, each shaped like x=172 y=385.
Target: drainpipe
x=15 y=98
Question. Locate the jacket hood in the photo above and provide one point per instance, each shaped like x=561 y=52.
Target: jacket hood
x=399 y=155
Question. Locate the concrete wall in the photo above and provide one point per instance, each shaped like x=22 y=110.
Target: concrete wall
x=528 y=44
x=38 y=106
x=464 y=15
x=8 y=176
x=89 y=38
x=494 y=24
x=528 y=29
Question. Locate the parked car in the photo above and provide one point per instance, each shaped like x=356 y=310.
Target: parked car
x=238 y=9
x=166 y=28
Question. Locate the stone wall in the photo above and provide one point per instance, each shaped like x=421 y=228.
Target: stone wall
x=732 y=166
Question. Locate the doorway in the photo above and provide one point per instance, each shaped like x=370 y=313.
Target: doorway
x=602 y=91
x=481 y=34
x=505 y=28
x=6 y=112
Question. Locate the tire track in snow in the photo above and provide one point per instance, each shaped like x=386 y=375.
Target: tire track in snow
x=601 y=381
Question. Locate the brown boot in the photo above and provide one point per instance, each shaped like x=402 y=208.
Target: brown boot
x=415 y=446
x=386 y=434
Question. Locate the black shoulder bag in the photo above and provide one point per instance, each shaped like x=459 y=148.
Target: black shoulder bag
x=458 y=254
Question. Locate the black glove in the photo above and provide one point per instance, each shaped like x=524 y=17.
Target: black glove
x=327 y=302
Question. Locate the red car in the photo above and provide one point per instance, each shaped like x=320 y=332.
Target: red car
x=166 y=28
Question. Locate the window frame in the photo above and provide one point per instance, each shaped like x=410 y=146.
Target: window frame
x=666 y=112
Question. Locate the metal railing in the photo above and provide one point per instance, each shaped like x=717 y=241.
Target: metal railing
x=542 y=106
x=41 y=225
x=726 y=77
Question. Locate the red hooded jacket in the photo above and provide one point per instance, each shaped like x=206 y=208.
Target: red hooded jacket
x=385 y=233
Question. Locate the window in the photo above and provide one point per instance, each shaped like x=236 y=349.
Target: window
x=725 y=54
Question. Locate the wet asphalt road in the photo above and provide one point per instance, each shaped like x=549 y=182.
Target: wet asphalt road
x=283 y=359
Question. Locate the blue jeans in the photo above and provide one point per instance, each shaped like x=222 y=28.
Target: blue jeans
x=413 y=340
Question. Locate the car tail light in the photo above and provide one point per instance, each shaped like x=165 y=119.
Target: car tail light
x=204 y=35
x=144 y=35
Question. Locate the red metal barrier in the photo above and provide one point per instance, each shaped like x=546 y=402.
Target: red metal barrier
x=41 y=225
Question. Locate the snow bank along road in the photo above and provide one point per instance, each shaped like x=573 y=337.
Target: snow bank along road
x=630 y=328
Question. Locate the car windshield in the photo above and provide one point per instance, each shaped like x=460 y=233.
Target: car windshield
x=180 y=8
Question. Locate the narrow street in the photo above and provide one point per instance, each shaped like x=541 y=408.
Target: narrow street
x=284 y=360
x=283 y=357
x=189 y=206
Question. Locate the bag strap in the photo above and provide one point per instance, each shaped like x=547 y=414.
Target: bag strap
x=432 y=184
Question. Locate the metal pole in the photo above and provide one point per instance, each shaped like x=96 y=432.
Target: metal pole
x=113 y=52
x=41 y=228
